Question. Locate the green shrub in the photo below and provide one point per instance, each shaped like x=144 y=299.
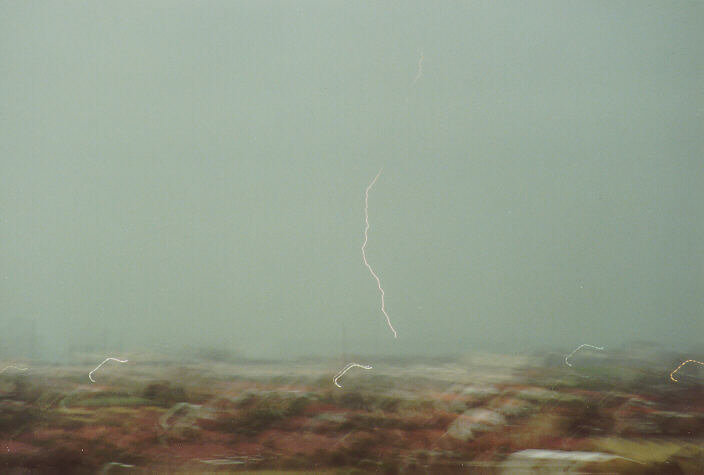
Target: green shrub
x=163 y=394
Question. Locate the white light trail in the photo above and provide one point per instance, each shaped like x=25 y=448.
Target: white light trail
x=579 y=348
x=13 y=367
x=364 y=255
x=90 y=375
x=346 y=369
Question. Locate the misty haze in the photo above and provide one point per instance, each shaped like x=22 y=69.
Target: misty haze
x=207 y=192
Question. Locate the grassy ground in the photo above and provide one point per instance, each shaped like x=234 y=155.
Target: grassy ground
x=412 y=417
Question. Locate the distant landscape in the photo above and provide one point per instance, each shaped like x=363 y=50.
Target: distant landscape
x=493 y=413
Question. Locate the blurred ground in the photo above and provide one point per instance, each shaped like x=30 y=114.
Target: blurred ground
x=481 y=413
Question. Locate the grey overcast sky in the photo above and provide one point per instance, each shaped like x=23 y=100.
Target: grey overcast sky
x=191 y=174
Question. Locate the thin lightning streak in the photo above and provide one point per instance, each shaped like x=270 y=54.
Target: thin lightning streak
x=12 y=366
x=90 y=375
x=579 y=348
x=364 y=255
x=346 y=369
x=420 y=69
x=672 y=375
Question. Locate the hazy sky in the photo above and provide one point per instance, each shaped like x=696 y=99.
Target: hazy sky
x=192 y=174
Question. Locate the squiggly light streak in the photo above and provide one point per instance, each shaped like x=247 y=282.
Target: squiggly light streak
x=364 y=255
x=90 y=375
x=14 y=367
x=579 y=348
x=672 y=375
x=346 y=369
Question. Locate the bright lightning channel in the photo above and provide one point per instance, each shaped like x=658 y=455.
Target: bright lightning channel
x=364 y=255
